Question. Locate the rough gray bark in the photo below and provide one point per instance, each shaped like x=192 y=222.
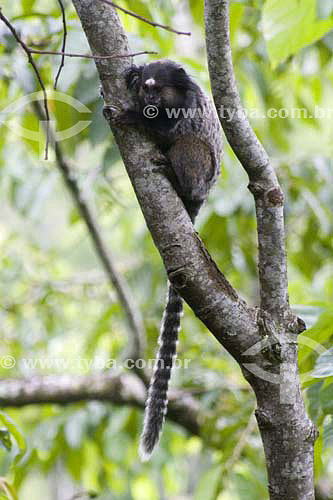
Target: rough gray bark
x=287 y=433
x=208 y=292
x=263 y=181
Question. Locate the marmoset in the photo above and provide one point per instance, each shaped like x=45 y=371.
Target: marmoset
x=183 y=123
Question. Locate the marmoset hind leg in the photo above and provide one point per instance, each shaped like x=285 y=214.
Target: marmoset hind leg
x=191 y=163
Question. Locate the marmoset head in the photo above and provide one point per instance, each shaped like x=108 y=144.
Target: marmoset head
x=163 y=83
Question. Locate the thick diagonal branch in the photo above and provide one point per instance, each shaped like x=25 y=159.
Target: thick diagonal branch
x=188 y=264
x=263 y=181
x=286 y=431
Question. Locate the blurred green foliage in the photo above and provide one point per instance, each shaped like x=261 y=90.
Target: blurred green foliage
x=49 y=273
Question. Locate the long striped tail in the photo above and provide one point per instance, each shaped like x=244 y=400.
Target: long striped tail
x=157 y=401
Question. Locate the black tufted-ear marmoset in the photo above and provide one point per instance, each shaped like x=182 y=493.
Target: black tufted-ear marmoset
x=183 y=123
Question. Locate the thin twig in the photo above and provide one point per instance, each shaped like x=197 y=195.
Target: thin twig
x=64 y=37
x=243 y=441
x=87 y=56
x=236 y=454
x=120 y=285
x=29 y=51
x=39 y=78
x=141 y=18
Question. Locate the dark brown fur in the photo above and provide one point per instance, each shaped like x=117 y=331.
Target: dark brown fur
x=192 y=145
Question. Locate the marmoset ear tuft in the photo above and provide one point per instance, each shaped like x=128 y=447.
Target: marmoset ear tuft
x=182 y=80
x=133 y=77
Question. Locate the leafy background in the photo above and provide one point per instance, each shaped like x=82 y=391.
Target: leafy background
x=49 y=272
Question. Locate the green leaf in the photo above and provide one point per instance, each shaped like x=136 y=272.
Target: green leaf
x=324 y=365
x=19 y=438
x=326 y=399
x=290 y=25
x=314 y=400
x=320 y=332
x=144 y=487
x=5 y=439
x=196 y=11
x=236 y=15
x=318 y=454
x=27 y=5
x=209 y=484
x=328 y=432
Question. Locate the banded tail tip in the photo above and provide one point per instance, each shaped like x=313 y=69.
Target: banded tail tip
x=144 y=453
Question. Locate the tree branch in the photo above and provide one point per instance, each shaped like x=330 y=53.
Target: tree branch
x=29 y=51
x=88 y=56
x=37 y=73
x=263 y=181
x=188 y=264
x=145 y=20
x=119 y=389
x=287 y=433
x=64 y=38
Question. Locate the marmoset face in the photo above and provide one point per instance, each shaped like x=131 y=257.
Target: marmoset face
x=150 y=92
x=163 y=84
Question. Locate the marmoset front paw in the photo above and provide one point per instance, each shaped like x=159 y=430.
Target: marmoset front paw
x=119 y=117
